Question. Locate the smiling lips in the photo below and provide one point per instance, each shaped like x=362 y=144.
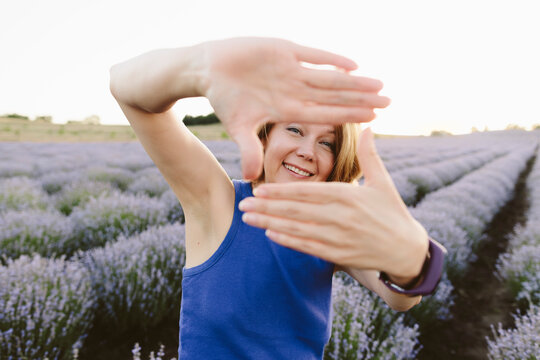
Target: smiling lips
x=297 y=171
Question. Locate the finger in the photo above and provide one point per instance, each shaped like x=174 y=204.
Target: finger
x=286 y=226
x=330 y=79
x=312 y=192
x=345 y=97
x=311 y=112
x=370 y=162
x=251 y=152
x=295 y=210
x=322 y=57
x=307 y=246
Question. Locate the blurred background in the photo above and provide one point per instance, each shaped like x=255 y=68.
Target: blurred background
x=447 y=66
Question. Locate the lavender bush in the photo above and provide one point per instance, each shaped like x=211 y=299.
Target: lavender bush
x=12 y=169
x=521 y=343
x=432 y=176
x=365 y=328
x=47 y=308
x=520 y=265
x=21 y=192
x=78 y=193
x=104 y=218
x=457 y=216
x=521 y=269
x=47 y=233
x=469 y=205
x=174 y=208
x=138 y=279
x=53 y=182
x=148 y=181
x=118 y=177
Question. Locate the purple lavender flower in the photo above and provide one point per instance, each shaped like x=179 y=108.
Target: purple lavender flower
x=47 y=233
x=520 y=343
x=104 y=218
x=47 y=308
x=123 y=272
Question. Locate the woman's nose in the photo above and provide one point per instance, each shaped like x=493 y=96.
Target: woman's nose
x=305 y=150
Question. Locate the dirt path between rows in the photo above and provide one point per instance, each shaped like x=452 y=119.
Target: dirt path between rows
x=482 y=299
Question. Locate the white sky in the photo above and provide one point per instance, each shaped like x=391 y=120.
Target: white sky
x=447 y=65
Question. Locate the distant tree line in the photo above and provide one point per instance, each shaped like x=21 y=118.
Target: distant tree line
x=16 y=116
x=201 y=120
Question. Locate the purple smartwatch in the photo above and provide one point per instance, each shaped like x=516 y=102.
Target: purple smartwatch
x=431 y=271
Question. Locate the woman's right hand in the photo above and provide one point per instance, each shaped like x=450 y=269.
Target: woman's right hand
x=251 y=81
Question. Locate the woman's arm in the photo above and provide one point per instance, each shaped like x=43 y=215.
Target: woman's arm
x=370 y=279
x=146 y=87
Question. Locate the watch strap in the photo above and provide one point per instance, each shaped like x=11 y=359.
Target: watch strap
x=431 y=273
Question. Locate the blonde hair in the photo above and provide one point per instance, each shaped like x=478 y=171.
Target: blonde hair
x=346 y=165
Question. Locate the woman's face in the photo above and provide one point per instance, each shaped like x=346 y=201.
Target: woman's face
x=299 y=152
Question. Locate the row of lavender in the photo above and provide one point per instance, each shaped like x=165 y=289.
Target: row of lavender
x=458 y=215
x=84 y=214
x=519 y=267
x=485 y=191
x=96 y=212
x=356 y=341
x=50 y=305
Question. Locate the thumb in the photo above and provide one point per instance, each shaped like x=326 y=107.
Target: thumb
x=375 y=174
x=251 y=153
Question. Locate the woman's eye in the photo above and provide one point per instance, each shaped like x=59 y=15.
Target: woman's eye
x=294 y=130
x=328 y=144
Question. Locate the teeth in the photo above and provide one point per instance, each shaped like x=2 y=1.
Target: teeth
x=296 y=170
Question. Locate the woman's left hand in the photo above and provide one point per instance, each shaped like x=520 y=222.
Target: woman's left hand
x=361 y=227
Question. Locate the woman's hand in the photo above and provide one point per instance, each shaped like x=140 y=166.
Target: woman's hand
x=361 y=227
x=251 y=81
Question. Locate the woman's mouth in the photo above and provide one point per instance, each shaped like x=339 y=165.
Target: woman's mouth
x=296 y=171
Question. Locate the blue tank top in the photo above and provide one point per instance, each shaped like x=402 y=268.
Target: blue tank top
x=255 y=299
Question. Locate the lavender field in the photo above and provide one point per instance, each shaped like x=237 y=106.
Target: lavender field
x=92 y=250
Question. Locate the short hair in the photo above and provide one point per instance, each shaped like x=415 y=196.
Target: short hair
x=346 y=165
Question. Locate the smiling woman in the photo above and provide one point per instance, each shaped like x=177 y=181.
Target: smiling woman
x=340 y=140
x=244 y=295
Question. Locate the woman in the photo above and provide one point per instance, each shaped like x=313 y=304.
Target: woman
x=245 y=296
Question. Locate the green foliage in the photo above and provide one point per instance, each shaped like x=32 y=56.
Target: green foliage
x=201 y=120
x=15 y=116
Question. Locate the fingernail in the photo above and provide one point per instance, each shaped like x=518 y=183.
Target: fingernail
x=245 y=205
x=248 y=217
x=259 y=192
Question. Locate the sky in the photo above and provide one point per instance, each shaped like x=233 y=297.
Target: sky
x=446 y=65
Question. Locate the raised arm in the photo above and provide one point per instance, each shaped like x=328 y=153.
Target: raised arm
x=249 y=81
x=146 y=87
